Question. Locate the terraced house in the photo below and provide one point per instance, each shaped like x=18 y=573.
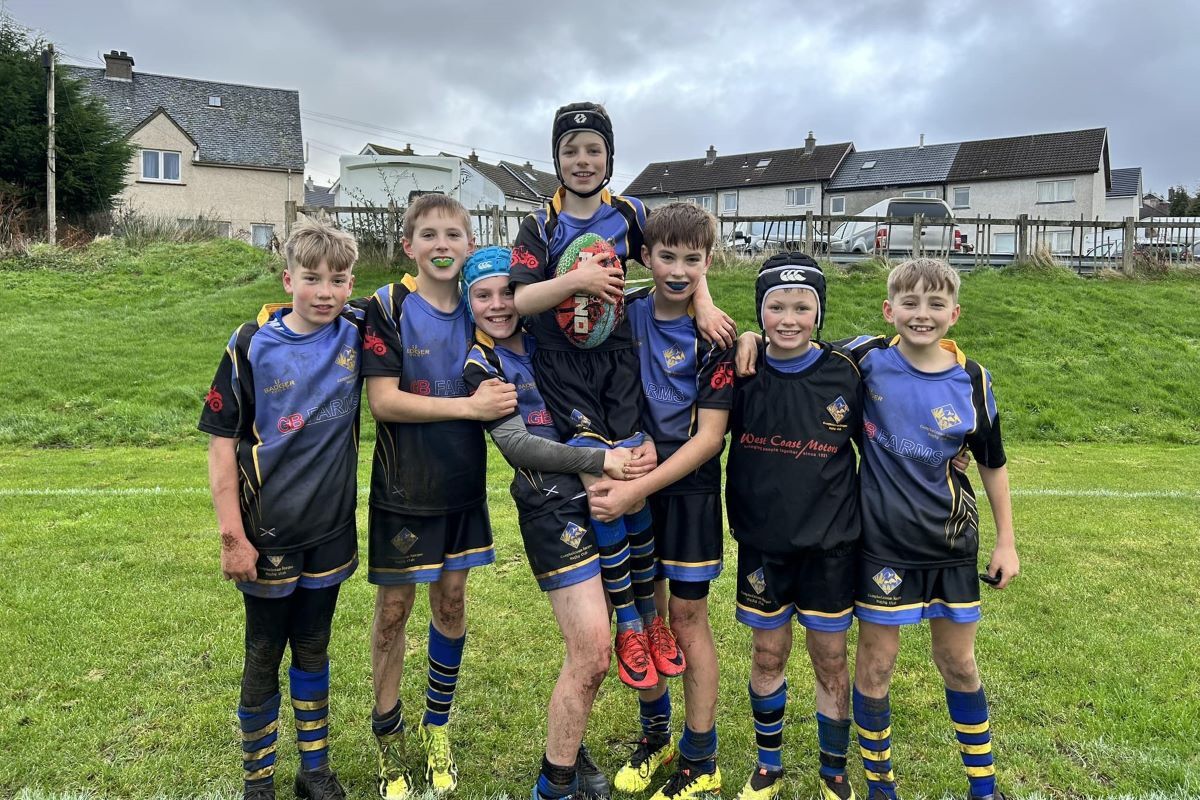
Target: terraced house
x=225 y=152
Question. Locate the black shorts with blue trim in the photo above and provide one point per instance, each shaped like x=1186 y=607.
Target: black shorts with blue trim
x=405 y=548
x=891 y=594
x=816 y=587
x=591 y=393
x=319 y=567
x=688 y=536
x=560 y=546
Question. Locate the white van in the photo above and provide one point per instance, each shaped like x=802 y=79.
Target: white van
x=860 y=236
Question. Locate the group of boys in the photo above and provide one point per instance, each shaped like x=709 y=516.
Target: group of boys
x=617 y=482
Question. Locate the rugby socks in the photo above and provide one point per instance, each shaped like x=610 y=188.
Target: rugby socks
x=555 y=782
x=655 y=715
x=642 y=564
x=833 y=738
x=969 y=713
x=614 y=571
x=768 y=726
x=388 y=724
x=873 y=717
x=260 y=729
x=445 y=657
x=699 y=749
x=310 y=702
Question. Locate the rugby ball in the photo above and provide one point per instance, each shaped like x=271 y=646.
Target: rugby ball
x=585 y=320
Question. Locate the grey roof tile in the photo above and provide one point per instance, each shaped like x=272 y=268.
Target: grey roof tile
x=899 y=166
x=318 y=197
x=254 y=126
x=735 y=171
x=1026 y=156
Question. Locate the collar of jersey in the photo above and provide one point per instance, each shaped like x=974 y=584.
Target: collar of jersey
x=949 y=345
x=822 y=346
x=556 y=202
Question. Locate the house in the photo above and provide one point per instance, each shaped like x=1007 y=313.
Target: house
x=868 y=176
x=221 y=151
x=770 y=182
x=1124 y=197
x=317 y=196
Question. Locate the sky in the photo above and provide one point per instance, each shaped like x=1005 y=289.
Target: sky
x=676 y=78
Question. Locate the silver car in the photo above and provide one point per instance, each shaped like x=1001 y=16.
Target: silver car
x=863 y=236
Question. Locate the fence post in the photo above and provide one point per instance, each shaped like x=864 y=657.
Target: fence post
x=497 y=237
x=808 y=234
x=1022 y=236
x=917 y=244
x=1127 y=246
x=389 y=229
x=289 y=217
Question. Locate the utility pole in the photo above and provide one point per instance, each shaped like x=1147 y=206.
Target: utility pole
x=51 y=210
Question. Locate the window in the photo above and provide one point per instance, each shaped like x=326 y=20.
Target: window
x=921 y=193
x=1058 y=241
x=962 y=196
x=762 y=162
x=160 y=165
x=799 y=197
x=868 y=165
x=837 y=205
x=1004 y=243
x=729 y=203
x=705 y=201
x=261 y=235
x=1056 y=191
x=214 y=101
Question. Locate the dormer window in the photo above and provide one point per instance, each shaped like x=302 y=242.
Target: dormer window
x=214 y=101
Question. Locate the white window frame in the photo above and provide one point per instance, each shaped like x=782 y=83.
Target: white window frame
x=161 y=161
x=954 y=195
x=1060 y=191
x=726 y=207
x=1010 y=243
x=792 y=194
x=835 y=201
x=1059 y=242
x=924 y=193
x=254 y=229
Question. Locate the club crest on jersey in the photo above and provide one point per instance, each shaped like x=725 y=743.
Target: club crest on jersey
x=945 y=417
x=838 y=409
x=757 y=581
x=572 y=535
x=347 y=358
x=275 y=560
x=404 y=540
x=673 y=355
x=887 y=579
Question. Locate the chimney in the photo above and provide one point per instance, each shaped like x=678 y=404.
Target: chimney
x=810 y=144
x=118 y=66
x=407 y=151
x=921 y=146
x=308 y=184
x=528 y=165
x=711 y=155
x=473 y=158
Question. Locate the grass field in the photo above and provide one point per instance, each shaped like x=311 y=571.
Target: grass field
x=122 y=646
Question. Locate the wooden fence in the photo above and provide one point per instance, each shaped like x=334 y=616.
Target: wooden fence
x=1094 y=243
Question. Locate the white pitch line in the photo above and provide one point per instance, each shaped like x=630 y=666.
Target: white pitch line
x=1121 y=494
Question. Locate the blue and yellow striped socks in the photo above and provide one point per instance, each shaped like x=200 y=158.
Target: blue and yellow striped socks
x=873 y=717
x=445 y=658
x=768 y=726
x=310 y=702
x=260 y=730
x=969 y=713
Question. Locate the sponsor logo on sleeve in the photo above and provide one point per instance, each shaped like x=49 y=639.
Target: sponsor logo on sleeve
x=521 y=257
x=722 y=376
x=213 y=400
x=373 y=343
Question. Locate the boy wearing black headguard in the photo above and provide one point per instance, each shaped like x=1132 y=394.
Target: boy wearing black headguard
x=792 y=499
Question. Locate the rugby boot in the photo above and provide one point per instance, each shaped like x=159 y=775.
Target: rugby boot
x=652 y=752
x=319 y=784
x=635 y=666
x=763 y=784
x=689 y=783
x=592 y=783
x=838 y=788
x=668 y=658
x=262 y=791
x=394 y=783
x=440 y=771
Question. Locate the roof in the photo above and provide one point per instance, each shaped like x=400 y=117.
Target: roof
x=1125 y=182
x=319 y=197
x=254 y=127
x=896 y=167
x=383 y=150
x=508 y=183
x=763 y=168
x=544 y=183
x=1027 y=156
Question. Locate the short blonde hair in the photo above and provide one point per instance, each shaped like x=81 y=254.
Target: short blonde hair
x=313 y=242
x=429 y=203
x=935 y=274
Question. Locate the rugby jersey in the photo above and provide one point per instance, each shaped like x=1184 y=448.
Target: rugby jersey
x=547 y=232
x=425 y=468
x=681 y=373
x=292 y=401
x=917 y=509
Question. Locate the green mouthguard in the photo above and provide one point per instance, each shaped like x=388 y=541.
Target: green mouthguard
x=442 y=263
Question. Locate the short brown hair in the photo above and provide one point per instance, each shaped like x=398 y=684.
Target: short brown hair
x=935 y=274
x=313 y=242
x=680 y=225
x=428 y=204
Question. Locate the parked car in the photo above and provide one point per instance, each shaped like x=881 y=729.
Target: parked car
x=752 y=238
x=862 y=236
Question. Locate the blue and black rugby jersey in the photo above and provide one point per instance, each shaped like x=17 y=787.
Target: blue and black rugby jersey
x=547 y=232
x=533 y=491
x=425 y=468
x=791 y=482
x=681 y=373
x=917 y=509
x=291 y=400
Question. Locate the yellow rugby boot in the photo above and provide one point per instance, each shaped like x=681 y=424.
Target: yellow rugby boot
x=440 y=771
x=652 y=752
